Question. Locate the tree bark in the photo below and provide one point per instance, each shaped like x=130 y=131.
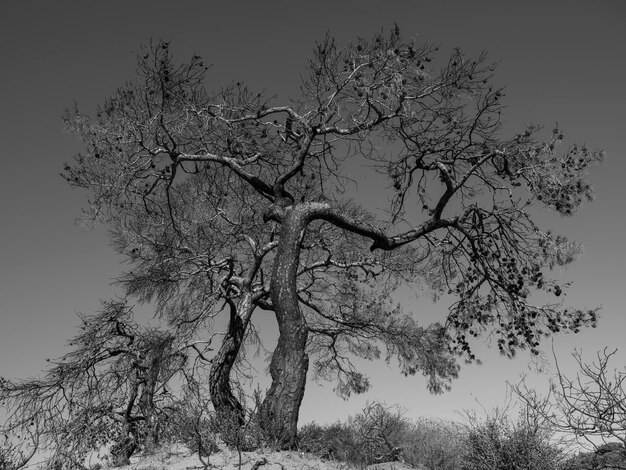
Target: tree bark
x=224 y=401
x=290 y=361
x=146 y=404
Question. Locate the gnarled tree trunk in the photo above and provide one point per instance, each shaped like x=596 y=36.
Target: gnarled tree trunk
x=290 y=362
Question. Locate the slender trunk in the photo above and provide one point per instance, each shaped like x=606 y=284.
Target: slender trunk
x=290 y=362
x=146 y=405
x=224 y=401
x=125 y=447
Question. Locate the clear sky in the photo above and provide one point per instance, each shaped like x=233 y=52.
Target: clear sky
x=560 y=60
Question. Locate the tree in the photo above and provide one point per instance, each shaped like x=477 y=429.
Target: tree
x=183 y=176
x=110 y=388
x=590 y=407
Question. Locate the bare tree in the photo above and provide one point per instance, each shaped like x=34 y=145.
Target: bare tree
x=589 y=407
x=184 y=174
x=110 y=388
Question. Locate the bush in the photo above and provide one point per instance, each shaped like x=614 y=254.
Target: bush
x=189 y=423
x=497 y=444
x=380 y=430
x=196 y=431
x=329 y=442
x=609 y=455
x=245 y=437
x=381 y=433
x=434 y=444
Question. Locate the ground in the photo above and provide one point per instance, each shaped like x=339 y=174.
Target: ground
x=180 y=458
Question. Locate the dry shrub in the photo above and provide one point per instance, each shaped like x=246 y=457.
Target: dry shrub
x=496 y=442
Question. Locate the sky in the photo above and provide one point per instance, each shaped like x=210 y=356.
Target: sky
x=561 y=61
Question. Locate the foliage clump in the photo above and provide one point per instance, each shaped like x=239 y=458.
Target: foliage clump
x=381 y=433
x=497 y=442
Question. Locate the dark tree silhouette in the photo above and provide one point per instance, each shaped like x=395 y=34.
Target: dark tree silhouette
x=230 y=198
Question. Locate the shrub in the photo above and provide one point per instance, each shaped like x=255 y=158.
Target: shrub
x=434 y=444
x=380 y=430
x=189 y=423
x=246 y=437
x=497 y=444
x=609 y=455
x=330 y=442
x=376 y=434
x=381 y=433
x=192 y=422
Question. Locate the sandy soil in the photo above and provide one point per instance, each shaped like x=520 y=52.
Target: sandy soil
x=180 y=458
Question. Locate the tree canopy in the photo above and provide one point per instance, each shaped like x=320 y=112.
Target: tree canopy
x=232 y=200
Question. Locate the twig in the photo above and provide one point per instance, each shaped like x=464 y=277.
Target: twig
x=257 y=464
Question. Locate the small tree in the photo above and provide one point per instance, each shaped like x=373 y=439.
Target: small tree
x=107 y=389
